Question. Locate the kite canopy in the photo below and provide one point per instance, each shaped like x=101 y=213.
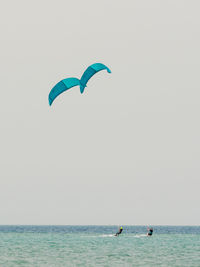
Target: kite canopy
x=62 y=86
x=90 y=71
x=68 y=83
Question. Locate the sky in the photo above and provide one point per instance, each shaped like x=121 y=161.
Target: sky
x=127 y=150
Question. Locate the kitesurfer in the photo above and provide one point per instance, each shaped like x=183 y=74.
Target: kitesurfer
x=119 y=231
x=149 y=231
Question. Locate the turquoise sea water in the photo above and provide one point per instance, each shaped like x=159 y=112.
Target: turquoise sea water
x=96 y=246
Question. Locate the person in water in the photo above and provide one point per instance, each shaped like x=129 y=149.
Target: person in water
x=120 y=231
x=149 y=231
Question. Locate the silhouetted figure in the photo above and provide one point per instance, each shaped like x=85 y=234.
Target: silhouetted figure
x=120 y=231
x=149 y=231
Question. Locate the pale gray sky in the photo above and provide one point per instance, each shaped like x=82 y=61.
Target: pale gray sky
x=127 y=150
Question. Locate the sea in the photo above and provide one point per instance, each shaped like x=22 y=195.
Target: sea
x=97 y=246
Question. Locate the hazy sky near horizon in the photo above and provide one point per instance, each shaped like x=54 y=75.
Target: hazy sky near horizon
x=127 y=151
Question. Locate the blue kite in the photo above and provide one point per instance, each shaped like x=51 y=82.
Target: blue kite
x=68 y=83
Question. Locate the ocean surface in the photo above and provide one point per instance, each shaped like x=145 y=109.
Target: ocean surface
x=96 y=246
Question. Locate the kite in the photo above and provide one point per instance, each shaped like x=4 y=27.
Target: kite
x=68 y=83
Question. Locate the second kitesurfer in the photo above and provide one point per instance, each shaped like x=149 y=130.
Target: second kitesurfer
x=149 y=231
